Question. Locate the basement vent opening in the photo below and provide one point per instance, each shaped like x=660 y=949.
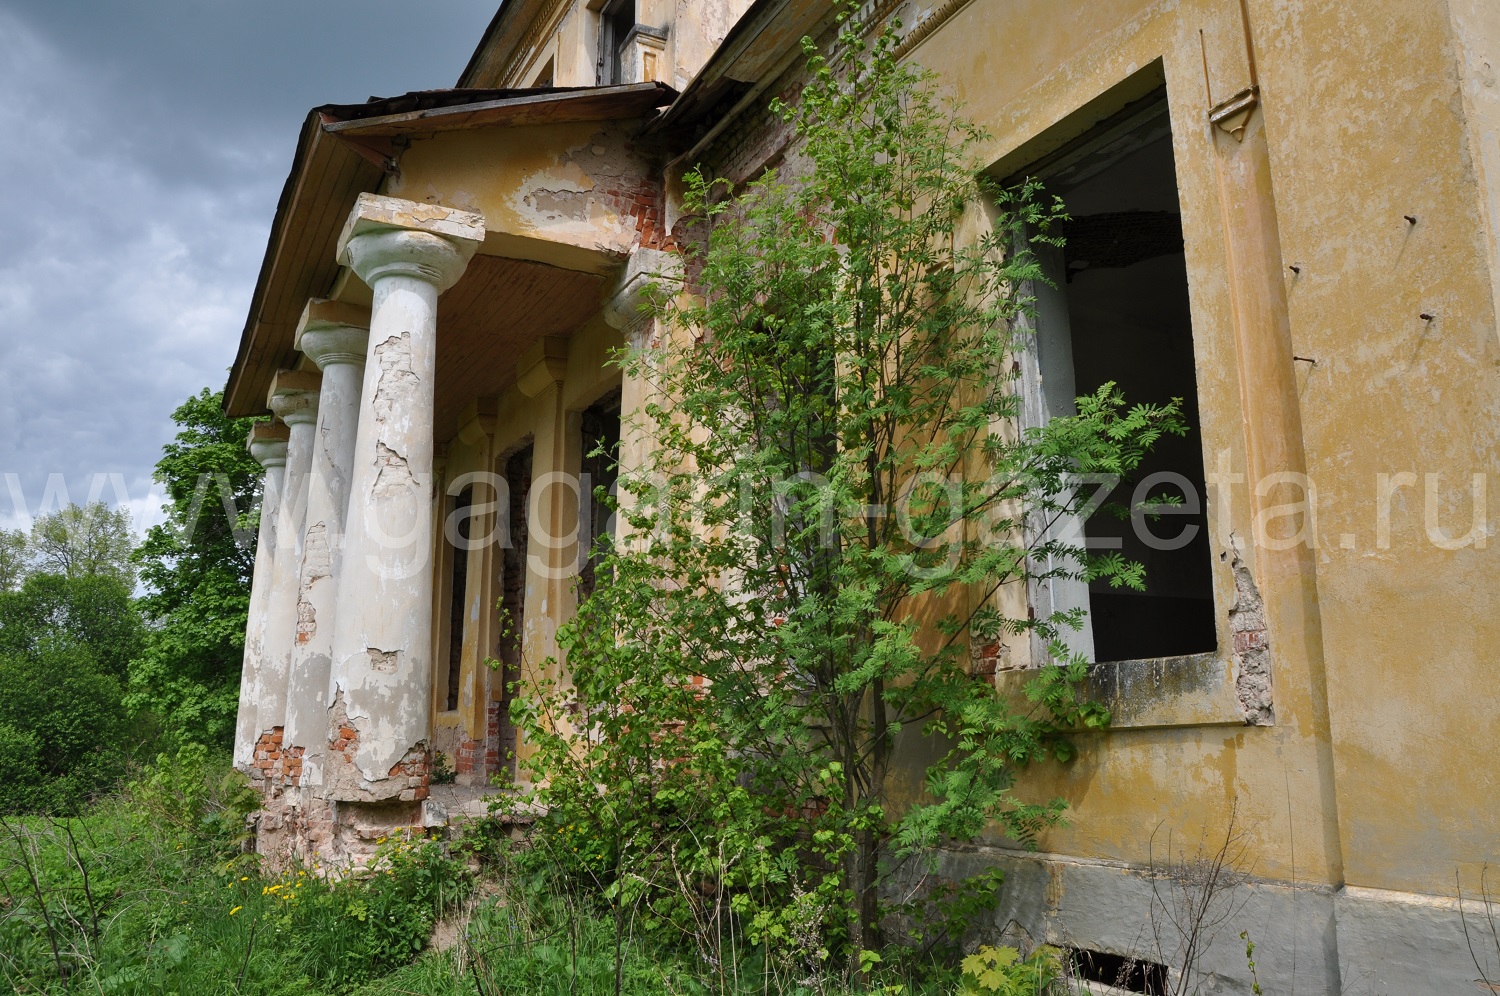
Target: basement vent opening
x=1119 y=971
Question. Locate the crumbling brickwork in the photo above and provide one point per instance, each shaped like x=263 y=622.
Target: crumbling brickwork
x=266 y=768
x=477 y=759
x=985 y=659
x=415 y=767
x=291 y=766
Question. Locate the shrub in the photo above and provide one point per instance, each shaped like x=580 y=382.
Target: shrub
x=1002 y=971
x=65 y=725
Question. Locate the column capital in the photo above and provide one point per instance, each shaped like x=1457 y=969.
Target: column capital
x=390 y=236
x=294 y=396
x=648 y=276
x=331 y=332
x=267 y=444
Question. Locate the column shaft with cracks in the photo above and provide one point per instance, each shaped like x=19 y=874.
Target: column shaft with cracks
x=294 y=399
x=267 y=444
x=336 y=337
x=379 y=721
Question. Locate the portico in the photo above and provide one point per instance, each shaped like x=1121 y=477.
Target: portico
x=455 y=325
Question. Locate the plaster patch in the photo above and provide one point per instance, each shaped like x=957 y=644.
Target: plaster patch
x=384 y=661
x=555 y=205
x=397 y=380
x=393 y=477
x=315 y=568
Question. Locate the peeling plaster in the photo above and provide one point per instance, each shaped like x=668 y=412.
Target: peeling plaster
x=396 y=380
x=316 y=559
x=1252 y=652
x=393 y=477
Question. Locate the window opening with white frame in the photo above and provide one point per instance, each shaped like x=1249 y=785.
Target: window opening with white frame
x=1115 y=308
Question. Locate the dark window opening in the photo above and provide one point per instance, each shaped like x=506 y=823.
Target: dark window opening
x=546 y=76
x=512 y=597
x=458 y=602
x=1119 y=312
x=1128 y=974
x=616 y=20
x=601 y=454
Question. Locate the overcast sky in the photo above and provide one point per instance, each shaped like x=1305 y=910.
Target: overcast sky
x=143 y=144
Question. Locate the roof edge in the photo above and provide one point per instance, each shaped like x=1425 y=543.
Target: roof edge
x=311 y=129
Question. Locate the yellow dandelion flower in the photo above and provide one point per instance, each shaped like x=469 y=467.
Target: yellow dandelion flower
x=235 y=910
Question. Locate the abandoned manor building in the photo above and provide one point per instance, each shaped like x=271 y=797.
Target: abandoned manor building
x=1285 y=213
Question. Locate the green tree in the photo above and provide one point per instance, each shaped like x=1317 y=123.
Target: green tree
x=80 y=541
x=95 y=614
x=62 y=731
x=65 y=645
x=15 y=559
x=196 y=568
x=838 y=490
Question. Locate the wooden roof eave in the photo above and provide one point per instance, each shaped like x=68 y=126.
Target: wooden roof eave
x=297 y=261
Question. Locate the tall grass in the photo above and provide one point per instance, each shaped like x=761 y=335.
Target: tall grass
x=152 y=892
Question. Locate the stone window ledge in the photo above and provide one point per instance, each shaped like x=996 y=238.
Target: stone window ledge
x=1194 y=690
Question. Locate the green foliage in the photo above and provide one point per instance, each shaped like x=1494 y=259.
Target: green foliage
x=136 y=898
x=15 y=559
x=1002 y=971
x=197 y=568
x=61 y=728
x=93 y=613
x=83 y=541
x=65 y=643
x=200 y=795
x=1250 y=963
x=342 y=931
x=836 y=493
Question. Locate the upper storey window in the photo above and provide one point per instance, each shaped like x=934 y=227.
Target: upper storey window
x=616 y=22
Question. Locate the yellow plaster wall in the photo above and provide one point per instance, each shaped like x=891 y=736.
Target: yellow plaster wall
x=560 y=208
x=1370 y=112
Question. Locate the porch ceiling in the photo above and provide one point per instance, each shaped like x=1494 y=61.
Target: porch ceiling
x=489 y=319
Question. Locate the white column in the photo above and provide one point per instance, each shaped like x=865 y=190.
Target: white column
x=294 y=399
x=267 y=444
x=335 y=336
x=380 y=721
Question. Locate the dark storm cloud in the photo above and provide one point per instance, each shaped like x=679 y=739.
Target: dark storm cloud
x=143 y=144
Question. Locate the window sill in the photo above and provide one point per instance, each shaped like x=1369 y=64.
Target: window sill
x=1193 y=690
